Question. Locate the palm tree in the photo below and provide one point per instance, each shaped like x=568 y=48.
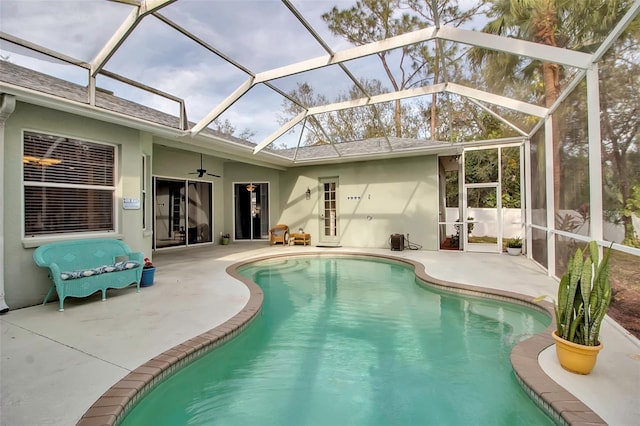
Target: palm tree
x=573 y=24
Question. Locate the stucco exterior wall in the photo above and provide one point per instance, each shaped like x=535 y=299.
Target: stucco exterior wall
x=25 y=283
x=375 y=199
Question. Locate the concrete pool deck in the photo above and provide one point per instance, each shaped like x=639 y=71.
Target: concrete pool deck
x=55 y=365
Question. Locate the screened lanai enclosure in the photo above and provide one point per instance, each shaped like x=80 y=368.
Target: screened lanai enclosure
x=532 y=107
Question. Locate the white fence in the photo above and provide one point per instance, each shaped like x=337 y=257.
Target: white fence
x=488 y=226
x=512 y=223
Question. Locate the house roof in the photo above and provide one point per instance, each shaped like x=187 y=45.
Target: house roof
x=18 y=76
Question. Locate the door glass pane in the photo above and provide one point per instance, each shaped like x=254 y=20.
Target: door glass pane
x=199 y=212
x=242 y=199
x=170 y=213
x=251 y=211
x=263 y=201
x=330 y=213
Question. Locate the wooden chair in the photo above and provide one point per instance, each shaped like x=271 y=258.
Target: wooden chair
x=279 y=234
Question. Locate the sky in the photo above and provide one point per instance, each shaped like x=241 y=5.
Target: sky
x=260 y=35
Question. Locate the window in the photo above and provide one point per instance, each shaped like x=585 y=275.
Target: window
x=143 y=186
x=69 y=185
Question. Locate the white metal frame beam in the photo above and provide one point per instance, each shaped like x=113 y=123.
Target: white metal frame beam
x=474 y=38
x=550 y=201
x=632 y=13
x=516 y=46
x=497 y=116
x=404 y=94
x=45 y=51
x=595 y=155
x=503 y=101
x=130 y=23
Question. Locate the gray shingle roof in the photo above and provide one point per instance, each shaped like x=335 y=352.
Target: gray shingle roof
x=17 y=75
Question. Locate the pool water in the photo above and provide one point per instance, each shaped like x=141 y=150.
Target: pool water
x=353 y=341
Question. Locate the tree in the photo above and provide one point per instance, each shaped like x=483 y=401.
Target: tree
x=435 y=13
x=373 y=20
x=226 y=128
x=620 y=128
x=343 y=125
x=573 y=24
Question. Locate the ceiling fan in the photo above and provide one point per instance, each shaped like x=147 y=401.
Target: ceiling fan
x=201 y=171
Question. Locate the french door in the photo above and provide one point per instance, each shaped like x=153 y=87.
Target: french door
x=329 y=224
x=183 y=212
x=251 y=210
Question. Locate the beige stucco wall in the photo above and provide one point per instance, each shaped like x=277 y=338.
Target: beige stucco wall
x=375 y=199
x=25 y=283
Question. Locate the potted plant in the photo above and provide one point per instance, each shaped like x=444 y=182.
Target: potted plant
x=584 y=294
x=514 y=246
x=148 y=273
x=224 y=238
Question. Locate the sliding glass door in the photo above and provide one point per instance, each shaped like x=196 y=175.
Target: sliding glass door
x=183 y=214
x=251 y=210
x=199 y=212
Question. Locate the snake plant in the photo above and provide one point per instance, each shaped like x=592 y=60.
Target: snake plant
x=584 y=294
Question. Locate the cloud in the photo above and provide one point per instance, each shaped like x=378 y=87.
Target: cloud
x=260 y=35
x=75 y=28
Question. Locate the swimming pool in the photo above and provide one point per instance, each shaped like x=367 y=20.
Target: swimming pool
x=355 y=341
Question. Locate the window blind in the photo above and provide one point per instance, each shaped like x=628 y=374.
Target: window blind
x=68 y=185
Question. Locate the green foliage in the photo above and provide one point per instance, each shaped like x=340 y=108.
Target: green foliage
x=515 y=242
x=631 y=207
x=227 y=128
x=584 y=294
x=482 y=166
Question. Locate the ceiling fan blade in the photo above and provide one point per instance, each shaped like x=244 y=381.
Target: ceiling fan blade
x=202 y=171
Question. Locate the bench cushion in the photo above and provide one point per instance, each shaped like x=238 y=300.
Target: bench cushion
x=118 y=266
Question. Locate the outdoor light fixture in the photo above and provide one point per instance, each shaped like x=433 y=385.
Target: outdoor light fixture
x=307 y=194
x=251 y=187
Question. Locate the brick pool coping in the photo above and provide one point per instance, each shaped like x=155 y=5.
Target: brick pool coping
x=557 y=402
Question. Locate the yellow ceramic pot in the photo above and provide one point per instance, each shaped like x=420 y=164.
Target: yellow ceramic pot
x=574 y=357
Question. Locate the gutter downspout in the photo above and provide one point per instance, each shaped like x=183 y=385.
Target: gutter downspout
x=7 y=106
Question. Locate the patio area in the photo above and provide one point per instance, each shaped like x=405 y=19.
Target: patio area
x=56 y=364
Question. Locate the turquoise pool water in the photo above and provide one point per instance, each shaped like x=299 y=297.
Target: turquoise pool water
x=352 y=341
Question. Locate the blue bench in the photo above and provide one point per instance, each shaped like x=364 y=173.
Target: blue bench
x=79 y=268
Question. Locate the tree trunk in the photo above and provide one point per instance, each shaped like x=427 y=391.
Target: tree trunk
x=434 y=97
x=551 y=77
x=398 y=118
x=544 y=32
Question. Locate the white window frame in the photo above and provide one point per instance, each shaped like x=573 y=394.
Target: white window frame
x=35 y=240
x=144 y=185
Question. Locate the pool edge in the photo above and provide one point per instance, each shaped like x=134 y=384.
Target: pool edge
x=561 y=405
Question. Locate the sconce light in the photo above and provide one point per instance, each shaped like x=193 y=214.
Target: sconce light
x=307 y=194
